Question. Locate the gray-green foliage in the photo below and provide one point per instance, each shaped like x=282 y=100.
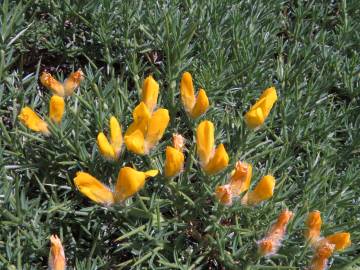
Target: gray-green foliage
x=311 y=142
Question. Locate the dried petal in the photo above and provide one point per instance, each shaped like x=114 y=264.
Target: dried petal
x=52 y=84
x=57 y=259
x=72 y=82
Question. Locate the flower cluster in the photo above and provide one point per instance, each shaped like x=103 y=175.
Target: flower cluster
x=144 y=133
x=239 y=182
x=323 y=247
x=57 y=104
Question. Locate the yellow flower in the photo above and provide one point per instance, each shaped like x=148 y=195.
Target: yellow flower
x=150 y=93
x=111 y=150
x=174 y=161
x=30 y=119
x=212 y=160
x=72 y=82
x=130 y=181
x=146 y=130
x=264 y=190
x=194 y=106
x=341 y=240
x=57 y=259
x=57 y=107
x=313 y=224
x=174 y=157
x=93 y=188
x=52 y=84
x=62 y=89
x=257 y=114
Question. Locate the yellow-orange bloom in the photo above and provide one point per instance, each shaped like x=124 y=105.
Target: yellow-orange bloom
x=72 y=82
x=323 y=247
x=130 y=181
x=212 y=160
x=194 y=106
x=341 y=240
x=62 y=89
x=30 y=119
x=272 y=241
x=52 y=84
x=313 y=224
x=257 y=114
x=57 y=108
x=174 y=157
x=93 y=188
x=112 y=149
x=174 y=161
x=57 y=259
x=264 y=190
x=322 y=254
x=150 y=93
x=146 y=130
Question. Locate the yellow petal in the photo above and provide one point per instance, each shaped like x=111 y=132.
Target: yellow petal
x=264 y=190
x=218 y=162
x=135 y=142
x=313 y=224
x=150 y=93
x=174 y=161
x=141 y=117
x=224 y=194
x=341 y=240
x=241 y=178
x=205 y=141
x=151 y=173
x=187 y=92
x=270 y=96
x=201 y=104
x=105 y=147
x=72 y=82
x=57 y=259
x=130 y=181
x=257 y=114
x=116 y=136
x=156 y=128
x=135 y=134
x=30 y=119
x=57 y=107
x=93 y=188
x=52 y=84
x=254 y=118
